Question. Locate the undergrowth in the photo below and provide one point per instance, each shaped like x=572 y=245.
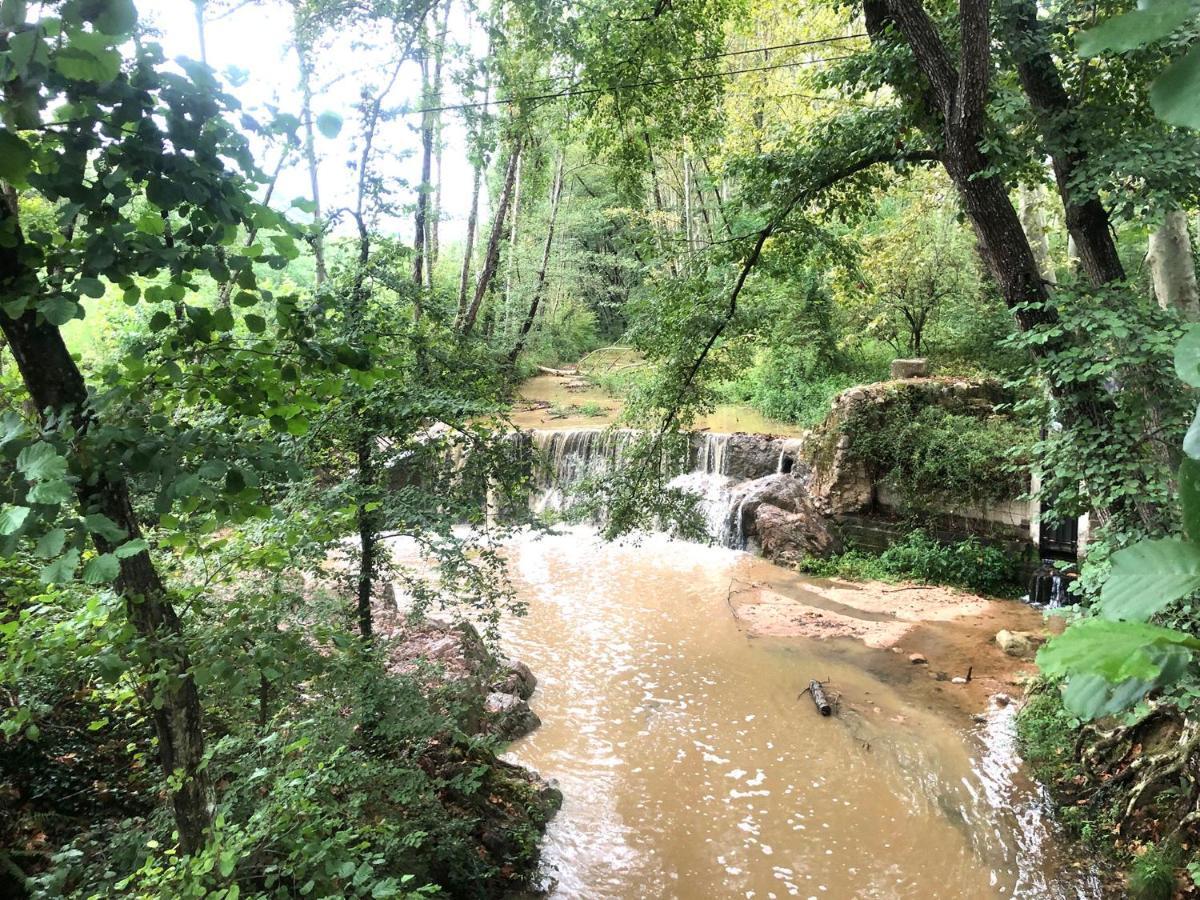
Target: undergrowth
x=967 y=564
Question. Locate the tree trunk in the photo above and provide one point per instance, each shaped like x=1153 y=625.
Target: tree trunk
x=433 y=242
x=56 y=386
x=464 y=280
x=420 y=229
x=1033 y=220
x=957 y=99
x=480 y=167
x=513 y=234
x=368 y=534
x=659 y=206
x=1087 y=219
x=492 y=257
x=1173 y=267
x=198 y=7
x=303 y=51
x=556 y=190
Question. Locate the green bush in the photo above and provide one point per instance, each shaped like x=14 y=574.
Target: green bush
x=967 y=564
x=927 y=452
x=1152 y=875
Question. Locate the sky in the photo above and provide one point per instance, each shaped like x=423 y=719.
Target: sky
x=256 y=38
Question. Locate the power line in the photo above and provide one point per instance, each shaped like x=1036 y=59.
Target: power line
x=584 y=92
x=811 y=42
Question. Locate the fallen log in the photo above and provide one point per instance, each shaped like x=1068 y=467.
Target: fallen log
x=824 y=707
x=561 y=373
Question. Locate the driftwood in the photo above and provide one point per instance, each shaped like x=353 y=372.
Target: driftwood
x=816 y=690
x=561 y=373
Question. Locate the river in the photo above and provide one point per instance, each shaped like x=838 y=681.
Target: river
x=694 y=767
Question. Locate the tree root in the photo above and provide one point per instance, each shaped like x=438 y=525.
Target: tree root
x=1161 y=768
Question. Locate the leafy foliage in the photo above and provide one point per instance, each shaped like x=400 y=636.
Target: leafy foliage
x=967 y=564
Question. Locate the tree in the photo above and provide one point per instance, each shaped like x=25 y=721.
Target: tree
x=164 y=199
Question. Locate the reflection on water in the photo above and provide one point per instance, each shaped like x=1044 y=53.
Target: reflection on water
x=552 y=389
x=692 y=768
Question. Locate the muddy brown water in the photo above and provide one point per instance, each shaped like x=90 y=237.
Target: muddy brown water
x=552 y=389
x=693 y=766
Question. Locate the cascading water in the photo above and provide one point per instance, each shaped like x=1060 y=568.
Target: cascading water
x=716 y=465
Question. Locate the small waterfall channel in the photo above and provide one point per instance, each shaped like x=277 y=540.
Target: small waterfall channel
x=717 y=470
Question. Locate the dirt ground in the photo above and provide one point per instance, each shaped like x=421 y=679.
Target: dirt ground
x=930 y=635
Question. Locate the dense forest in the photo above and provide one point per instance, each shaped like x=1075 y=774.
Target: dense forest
x=264 y=317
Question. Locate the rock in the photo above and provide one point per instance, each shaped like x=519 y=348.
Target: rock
x=792 y=536
x=510 y=716
x=958 y=679
x=1021 y=644
x=910 y=368
x=777 y=511
x=917 y=659
x=515 y=678
x=839 y=484
x=1002 y=699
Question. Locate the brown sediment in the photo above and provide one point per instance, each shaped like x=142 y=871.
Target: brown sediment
x=558 y=402
x=953 y=631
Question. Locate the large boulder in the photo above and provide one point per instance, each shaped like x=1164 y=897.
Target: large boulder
x=1021 y=644
x=509 y=716
x=787 y=537
x=515 y=678
x=783 y=491
x=778 y=512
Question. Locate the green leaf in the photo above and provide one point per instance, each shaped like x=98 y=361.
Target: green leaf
x=1187 y=356
x=11 y=428
x=329 y=124
x=16 y=157
x=50 y=493
x=1115 y=651
x=59 y=310
x=101 y=569
x=297 y=426
x=1136 y=28
x=62 y=569
x=1175 y=94
x=118 y=18
x=255 y=323
x=131 y=548
x=1147 y=576
x=12 y=518
x=51 y=543
x=40 y=462
x=102 y=525
x=88 y=57
x=151 y=222
x=159 y=321
x=90 y=287
x=305 y=205
x=1189 y=497
x=1191 y=440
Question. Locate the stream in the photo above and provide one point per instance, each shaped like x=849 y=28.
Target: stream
x=694 y=767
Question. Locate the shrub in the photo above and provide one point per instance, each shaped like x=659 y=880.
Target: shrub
x=930 y=453
x=967 y=564
x=1152 y=875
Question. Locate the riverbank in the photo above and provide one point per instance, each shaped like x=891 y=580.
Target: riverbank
x=941 y=640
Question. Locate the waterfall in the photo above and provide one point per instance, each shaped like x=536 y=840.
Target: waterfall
x=716 y=465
